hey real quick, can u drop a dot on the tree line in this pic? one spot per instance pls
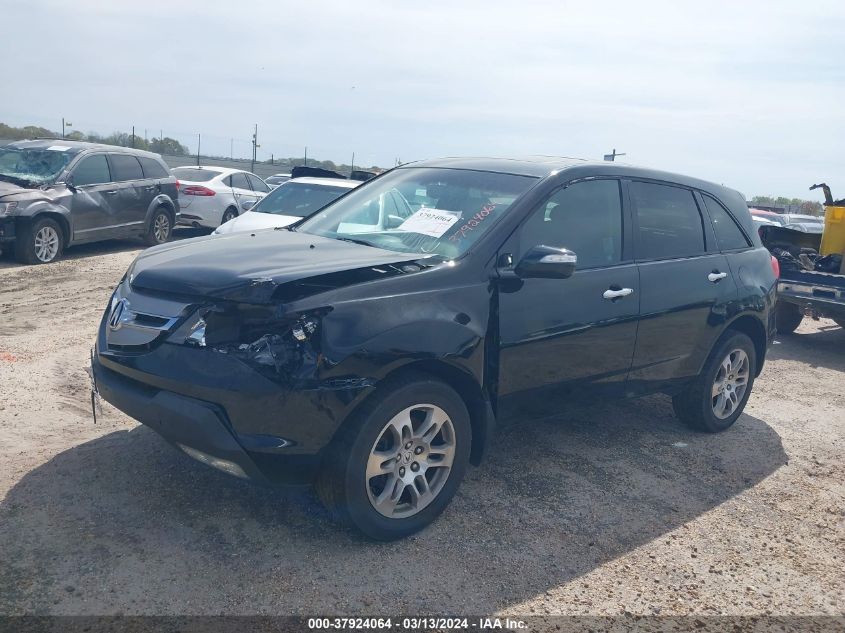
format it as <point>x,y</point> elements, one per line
<point>809,207</point>
<point>165,145</point>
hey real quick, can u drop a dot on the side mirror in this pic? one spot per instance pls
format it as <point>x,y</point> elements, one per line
<point>69,183</point>
<point>547,262</point>
<point>246,205</point>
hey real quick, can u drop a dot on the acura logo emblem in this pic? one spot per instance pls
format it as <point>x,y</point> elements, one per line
<point>117,313</point>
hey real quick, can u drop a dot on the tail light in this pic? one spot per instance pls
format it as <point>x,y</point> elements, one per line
<point>197,190</point>
<point>178,184</point>
<point>776,267</point>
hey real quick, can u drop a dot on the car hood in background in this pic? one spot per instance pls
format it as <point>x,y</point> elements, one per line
<point>265,266</point>
<point>253,221</point>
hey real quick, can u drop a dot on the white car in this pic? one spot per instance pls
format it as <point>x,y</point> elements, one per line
<point>289,202</point>
<point>276,179</point>
<point>211,196</point>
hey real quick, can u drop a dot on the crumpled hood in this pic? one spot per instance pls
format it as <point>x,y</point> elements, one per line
<point>7,188</point>
<point>255,267</point>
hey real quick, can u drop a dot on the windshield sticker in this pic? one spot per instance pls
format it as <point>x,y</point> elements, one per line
<point>58,148</point>
<point>431,222</point>
<point>471,224</point>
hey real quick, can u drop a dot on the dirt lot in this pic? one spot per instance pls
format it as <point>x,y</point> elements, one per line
<point>601,510</point>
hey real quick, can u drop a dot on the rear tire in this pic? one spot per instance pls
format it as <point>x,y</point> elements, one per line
<point>788,317</point>
<point>716,397</point>
<point>385,475</point>
<point>160,229</point>
<point>229,214</point>
<point>40,242</point>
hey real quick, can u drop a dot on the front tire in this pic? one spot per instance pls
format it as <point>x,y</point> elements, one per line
<point>717,396</point>
<point>788,317</point>
<point>400,460</point>
<point>41,242</point>
<point>160,229</point>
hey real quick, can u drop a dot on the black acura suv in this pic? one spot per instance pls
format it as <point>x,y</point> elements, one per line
<point>371,353</point>
<point>56,193</point>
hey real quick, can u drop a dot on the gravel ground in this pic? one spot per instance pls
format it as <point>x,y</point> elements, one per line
<point>601,510</point>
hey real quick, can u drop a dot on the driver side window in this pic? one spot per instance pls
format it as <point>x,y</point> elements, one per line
<point>585,217</point>
<point>93,170</point>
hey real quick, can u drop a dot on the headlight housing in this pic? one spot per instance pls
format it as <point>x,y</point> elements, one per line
<point>279,345</point>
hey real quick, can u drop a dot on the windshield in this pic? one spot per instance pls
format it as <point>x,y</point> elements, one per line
<point>194,174</point>
<point>36,166</point>
<point>421,210</point>
<point>298,199</point>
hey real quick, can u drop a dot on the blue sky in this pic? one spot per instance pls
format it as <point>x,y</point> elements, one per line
<point>750,94</point>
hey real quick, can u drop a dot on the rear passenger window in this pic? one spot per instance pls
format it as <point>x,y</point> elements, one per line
<point>125,167</point>
<point>669,221</point>
<point>239,181</point>
<point>585,217</point>
<point>93,170</point>
<point>728,234</point>
<point>258,184</point>
<point>152,168</point>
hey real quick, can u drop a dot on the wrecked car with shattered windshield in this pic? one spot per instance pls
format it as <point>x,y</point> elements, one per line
<point>370,349</point>
<point>56,193</point>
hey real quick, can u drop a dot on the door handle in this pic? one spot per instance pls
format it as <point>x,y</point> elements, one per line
<point>616,294</point>
<point>110,193</point>
<point>150,188</point>
<point>716,276</point>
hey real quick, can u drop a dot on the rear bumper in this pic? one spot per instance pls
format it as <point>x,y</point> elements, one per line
<point>203,211</point>
<point>814,299</point>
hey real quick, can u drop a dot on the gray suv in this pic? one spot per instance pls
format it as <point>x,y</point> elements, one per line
<point>56,193</point>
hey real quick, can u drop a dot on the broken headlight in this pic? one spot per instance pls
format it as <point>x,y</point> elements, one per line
<point>274,343</point>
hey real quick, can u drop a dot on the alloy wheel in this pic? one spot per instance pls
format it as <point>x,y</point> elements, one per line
<point>161,227</point>
<point>46,244</point>
<point>410,461</point>
<point>730,384</point>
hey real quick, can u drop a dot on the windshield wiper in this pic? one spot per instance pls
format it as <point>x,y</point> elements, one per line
<point>354,241</point>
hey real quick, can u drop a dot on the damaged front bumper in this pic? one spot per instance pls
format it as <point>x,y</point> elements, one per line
<point>263,411</point>
<point>197,428</point>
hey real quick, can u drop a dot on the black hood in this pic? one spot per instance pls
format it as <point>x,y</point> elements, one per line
<point>265,266</point>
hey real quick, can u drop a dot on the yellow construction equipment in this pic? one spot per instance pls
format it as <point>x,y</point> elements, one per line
<point>833,238</point>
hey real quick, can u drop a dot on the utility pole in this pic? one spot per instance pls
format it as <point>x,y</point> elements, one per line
<point>255,147</point>
<point>272,161</point>
<point>68,124</point>
<point>199,141</point>
<point>612,157</point>
<point>133,137</point>
<point>306,156</point>
<point>352,167</point>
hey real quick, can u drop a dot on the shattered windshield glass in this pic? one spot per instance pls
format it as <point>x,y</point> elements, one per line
<point>31,165</point>
<point>421,210</point>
